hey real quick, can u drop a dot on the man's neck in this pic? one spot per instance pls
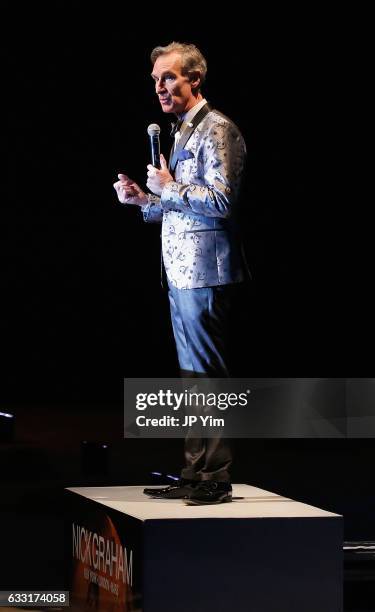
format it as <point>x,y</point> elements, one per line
<point>190,105</point>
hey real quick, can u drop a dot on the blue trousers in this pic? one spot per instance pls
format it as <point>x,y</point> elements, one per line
<point>200,320</point>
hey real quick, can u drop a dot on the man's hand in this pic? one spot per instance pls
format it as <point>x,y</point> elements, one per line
<point>129,192</point>
<point>157,179</point>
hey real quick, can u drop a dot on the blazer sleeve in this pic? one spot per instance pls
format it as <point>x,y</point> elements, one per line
<point>222,157</point>
<point>153,211</point>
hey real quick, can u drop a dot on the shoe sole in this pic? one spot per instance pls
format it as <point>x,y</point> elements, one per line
<point>153,496</point>
<point>192,502</point>
<point>168,498</point>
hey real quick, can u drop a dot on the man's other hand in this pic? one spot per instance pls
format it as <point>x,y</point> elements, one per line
<point>129,192</point>
<point>157,179</point>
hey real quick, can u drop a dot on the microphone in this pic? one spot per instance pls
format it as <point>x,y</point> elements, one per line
<point>153,131</point>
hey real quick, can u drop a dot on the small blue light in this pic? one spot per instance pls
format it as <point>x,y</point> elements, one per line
<point>8,416</point>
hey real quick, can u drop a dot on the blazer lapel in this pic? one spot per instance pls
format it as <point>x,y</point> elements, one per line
<point>186,135</point>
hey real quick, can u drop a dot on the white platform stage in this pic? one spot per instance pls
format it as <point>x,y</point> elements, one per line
<point>260,553</point>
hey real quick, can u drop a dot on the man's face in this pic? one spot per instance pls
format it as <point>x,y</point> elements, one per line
<point>172,87</point>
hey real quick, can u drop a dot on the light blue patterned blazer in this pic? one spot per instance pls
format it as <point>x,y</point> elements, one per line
<point>200,242</point>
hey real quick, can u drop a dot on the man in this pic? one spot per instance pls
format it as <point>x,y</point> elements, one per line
<point>195,199</point>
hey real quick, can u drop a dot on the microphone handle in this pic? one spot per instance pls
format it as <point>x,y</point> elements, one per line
<point>155,151</point>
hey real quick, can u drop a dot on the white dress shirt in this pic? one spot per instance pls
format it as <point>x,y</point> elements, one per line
<point>187,118</point>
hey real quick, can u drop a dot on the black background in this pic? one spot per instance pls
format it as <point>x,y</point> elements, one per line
<point>81,275</point>
<point>82,306</point>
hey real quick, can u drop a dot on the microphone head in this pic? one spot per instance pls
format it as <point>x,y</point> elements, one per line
<point>153,129</point>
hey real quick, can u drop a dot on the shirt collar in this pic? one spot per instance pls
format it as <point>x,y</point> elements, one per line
<point>187,117</point>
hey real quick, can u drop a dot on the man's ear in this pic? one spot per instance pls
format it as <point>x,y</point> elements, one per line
<point>195,79</point>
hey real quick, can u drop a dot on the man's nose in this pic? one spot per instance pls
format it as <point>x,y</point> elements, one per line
<point>159,86</point>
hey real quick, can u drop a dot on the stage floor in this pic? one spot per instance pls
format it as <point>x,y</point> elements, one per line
<point>248,502</point>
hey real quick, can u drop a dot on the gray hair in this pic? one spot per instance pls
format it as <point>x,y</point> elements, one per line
<point>191,58</point>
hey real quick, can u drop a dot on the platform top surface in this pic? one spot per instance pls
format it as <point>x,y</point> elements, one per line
<point>249,502</point>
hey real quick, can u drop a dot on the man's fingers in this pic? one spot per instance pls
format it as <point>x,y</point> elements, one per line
<point>126,190</point>
<point>126,185</point>
<point>120,185</point>
<point>163,162</point>
<point>124,179</point>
